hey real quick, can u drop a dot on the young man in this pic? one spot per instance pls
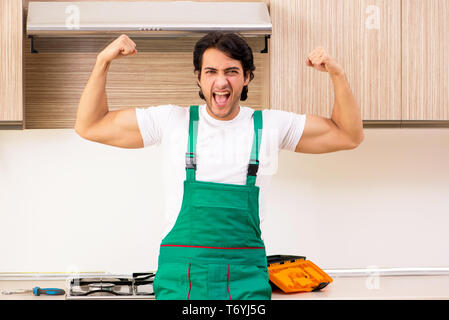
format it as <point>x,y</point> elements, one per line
<point>212,247</point>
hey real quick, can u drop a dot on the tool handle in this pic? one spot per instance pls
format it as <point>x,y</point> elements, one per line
<point>48,291</point>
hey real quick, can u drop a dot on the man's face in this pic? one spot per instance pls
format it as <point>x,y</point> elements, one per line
<point>222,82</point>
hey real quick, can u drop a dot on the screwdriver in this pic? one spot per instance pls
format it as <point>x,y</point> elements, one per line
<point>38,291</point>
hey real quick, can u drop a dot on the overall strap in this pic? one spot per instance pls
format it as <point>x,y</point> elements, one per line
<point>254,158</point>
<point>253,165</point>
<point>191,143</point>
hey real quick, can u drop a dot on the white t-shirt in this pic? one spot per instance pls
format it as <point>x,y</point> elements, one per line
<point>223,148</point>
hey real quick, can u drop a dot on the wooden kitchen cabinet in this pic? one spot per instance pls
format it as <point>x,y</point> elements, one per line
<point>11,84</point>
<point>363,35</point>
<point>425,60</point>
<point>395,54</point>
<point>54,81</point>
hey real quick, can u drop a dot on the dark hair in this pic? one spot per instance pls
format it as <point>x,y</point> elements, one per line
<point>233,45</point>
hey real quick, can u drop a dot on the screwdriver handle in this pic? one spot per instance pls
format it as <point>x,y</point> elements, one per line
<point>48,291</point>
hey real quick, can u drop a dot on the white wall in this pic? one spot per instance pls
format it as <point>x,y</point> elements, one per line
<point>70,205</point>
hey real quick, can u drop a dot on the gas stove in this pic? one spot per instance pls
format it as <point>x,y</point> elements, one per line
<point>137,286</point>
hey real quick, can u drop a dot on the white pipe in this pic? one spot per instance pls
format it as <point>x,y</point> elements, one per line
<point>387,272</point>
<point>362,272</point>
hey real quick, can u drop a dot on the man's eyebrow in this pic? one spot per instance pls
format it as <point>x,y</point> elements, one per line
<point>227,69</point>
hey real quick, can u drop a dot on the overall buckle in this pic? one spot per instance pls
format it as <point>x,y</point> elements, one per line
<point>190,160</point>
<point>253,167</point>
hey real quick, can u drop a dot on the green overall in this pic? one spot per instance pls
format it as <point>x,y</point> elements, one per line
<point>214,251</point>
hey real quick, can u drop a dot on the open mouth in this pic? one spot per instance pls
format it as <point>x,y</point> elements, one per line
<point>221,98</point>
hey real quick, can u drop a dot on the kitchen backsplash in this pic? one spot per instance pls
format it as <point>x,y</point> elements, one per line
<point>71,205</point>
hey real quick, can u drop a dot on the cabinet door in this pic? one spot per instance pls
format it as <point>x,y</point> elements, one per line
<point>363,35</point>
<point>11,93</point>
<point>425,58</point>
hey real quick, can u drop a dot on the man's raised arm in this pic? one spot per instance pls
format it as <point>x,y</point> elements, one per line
<point>344,130</point>
<point>94,121</point>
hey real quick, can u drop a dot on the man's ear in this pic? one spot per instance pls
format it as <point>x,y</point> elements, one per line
<point>247,78</point>
<point>197,74</point>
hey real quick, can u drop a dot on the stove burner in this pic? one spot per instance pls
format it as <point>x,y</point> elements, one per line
<point>104,286</point>
<point>112,286</point>
<point>101,287</point>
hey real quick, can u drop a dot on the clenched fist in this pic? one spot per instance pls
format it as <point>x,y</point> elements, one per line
<point>120,47</point>
<point>320,60</point>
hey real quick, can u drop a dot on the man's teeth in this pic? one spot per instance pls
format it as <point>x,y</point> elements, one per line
<point>221,93</point>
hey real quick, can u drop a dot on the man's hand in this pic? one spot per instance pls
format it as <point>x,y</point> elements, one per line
<point>120,47</point>
<point>320,60</point>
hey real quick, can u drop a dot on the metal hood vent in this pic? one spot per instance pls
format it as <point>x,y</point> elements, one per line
<point>146,19</point>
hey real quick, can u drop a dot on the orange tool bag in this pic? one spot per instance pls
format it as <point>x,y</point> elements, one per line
<point>296,274</point>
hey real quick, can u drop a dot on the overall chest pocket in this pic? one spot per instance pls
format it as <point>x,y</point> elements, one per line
<point>219,217</point>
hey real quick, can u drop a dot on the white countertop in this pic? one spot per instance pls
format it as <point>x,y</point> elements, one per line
<point>384,287</point>
<point>353,288</point>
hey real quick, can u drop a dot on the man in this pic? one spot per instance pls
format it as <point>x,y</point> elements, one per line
<point>213,247</point>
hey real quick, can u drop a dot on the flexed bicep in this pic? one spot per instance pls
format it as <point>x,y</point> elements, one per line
<point>117,128</point>
<point>322,135</point>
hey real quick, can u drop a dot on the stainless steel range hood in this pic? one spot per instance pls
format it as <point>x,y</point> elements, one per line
<point>146,19</point>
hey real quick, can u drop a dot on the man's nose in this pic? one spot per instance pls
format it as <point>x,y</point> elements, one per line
<point>221,81</point>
